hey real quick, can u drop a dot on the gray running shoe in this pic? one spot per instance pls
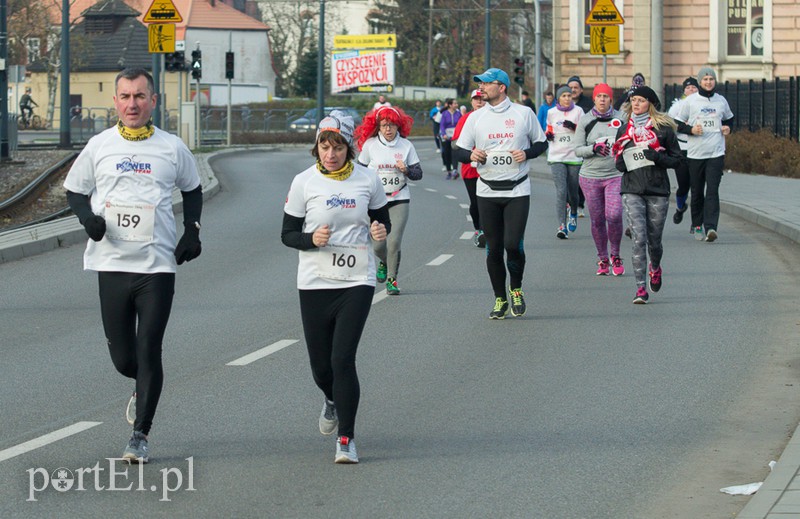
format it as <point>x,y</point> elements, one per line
<point>137,450</point>
<point>328,421</point>
<point>345,450</point>
<point>711,235</point>
<point>130,410</point>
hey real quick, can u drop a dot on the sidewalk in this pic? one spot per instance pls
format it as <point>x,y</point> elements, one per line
<point>771,202</point>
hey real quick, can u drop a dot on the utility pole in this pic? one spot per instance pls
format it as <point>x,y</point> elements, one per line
<point>64,134</point>
<point>488,51</point>
<point>321,64</point>
<point>430,40</point>
<point>230,49</point>
<point>4,147</point>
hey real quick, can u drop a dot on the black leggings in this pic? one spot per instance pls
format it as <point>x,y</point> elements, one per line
<point>504,221</point>
<point>682,176</point>
<point>706,175</point>
<point>333,320</point>
<point>448,160</point>
<point>471,185</point>
<point>135,310</point>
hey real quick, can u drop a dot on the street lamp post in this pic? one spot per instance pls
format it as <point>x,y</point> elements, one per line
<point>430,40</point>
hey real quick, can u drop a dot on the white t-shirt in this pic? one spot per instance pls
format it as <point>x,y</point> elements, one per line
<point>674,110</point>
<point>130,184</point>
<point>382,156</point>
<point>378,104</point>
<point>347,260</point>
<point>708,112</point>
<point>562,147</point>
<point>497,130</point>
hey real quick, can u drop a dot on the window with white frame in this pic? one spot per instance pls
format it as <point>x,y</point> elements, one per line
<point>745,36</point>
<point>34,49</point>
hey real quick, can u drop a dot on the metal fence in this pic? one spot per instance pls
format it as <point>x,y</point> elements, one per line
<point>756,104</point>
<point>86,122</point>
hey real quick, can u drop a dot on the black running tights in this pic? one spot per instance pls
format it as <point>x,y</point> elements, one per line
<point>504,221</point>
<point>471,185</point>
<point>135,310</point>
<point>333,320</point>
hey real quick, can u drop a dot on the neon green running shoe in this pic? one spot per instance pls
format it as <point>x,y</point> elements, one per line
<point>500,309</point>
<point>391,287</point>
<point>381,274</point>
<point>517,302</point>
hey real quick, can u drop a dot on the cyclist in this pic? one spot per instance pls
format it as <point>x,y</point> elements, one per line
<point>25,103</point>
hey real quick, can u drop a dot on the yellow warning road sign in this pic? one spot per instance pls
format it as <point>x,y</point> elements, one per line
<point>365,41</point>
<point>162,11</point>
<point>161,38</point>
<point>604,12</point>
<point>604,39</point>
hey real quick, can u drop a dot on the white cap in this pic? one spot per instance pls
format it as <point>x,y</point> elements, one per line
<point>340,123</point>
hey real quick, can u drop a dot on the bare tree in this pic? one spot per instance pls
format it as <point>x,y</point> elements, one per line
<point>40,19</point>
<point>294,25</point>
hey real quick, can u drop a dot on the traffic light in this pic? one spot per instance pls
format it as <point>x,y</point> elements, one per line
<point>197,64</point>
<point>519,71</point>
<point>174,62</point>
<point>229,65</point>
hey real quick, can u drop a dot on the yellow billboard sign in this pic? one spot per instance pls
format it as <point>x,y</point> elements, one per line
<point>365,41</point>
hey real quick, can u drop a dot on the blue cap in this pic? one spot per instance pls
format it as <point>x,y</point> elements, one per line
<point>493,74</point>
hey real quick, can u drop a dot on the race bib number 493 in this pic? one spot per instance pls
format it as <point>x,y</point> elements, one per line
<point>130,222</point>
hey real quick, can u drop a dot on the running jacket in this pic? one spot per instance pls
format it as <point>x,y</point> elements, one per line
<point>590,131</point>
<point>651,180</point>
<point>467,170</point>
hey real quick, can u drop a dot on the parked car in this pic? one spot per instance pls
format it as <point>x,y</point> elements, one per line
<point>308,121</point>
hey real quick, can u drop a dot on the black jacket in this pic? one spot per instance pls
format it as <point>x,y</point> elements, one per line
<point>651,180</point>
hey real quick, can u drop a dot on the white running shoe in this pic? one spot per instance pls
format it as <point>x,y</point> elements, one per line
<point>346,450</point>
<point>328,420</point>
<point>130,409</point>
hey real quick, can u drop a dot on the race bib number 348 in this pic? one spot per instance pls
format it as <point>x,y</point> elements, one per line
<point>130,222</point>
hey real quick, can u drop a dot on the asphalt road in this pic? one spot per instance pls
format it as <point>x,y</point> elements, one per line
<point>588,406</point>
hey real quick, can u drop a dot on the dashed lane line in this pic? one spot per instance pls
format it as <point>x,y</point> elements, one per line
<point>464,206</point>
<point>430,189</point>
<point>467,235</point>
<point>439,260</point>
<point>451,197</point>
<point>263,352</point>
<point>46,439</point>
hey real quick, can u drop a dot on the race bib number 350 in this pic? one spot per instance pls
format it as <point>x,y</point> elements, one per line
<point>343,262</point>
<point>130,222</point>
<point>499,163</point>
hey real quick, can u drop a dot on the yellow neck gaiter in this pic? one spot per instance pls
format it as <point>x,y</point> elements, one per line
<point>340,174</point>
<point>136,134</point>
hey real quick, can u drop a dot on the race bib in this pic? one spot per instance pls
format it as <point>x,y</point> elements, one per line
<point>130,222</point>
<point>710,124</point>
<point>635,159</point>
<point>563,141</point>
<point>499,163</point>
<point>450,132</point>
<point>392,180</point>
<point>343,262</point>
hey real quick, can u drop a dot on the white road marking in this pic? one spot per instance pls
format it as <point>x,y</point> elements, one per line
<point>41,441</point>
<point>263,352</point>
<point>469,218</point>
<point>464,206</point>
<point>431,190</point>
<point>451,197</point>
<point>467,235</point>
<point>380,296</point>
<point>439,260</point>
<point>411,184</point>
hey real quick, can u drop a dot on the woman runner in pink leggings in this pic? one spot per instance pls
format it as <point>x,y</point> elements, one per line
<point>599,178</point>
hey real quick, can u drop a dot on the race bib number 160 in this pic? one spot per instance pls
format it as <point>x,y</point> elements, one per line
<point>344,262</point>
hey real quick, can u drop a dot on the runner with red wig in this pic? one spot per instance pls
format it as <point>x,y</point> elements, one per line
<point>381,140</point>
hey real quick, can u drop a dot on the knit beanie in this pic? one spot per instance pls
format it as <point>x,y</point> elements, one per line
<point>706,71</point>
<point>690,81</point>
<point>638,79</point>
<point>562,90</point>
<point>575,78</point>
<point>340,123</point>
<point>648,93</point>
<point>602,88</point>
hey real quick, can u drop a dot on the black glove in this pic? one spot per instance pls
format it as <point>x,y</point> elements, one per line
<point>600,148</point>
<point>95,227</point>
<point>189,246</point>
<point>652,155</point>
<point>569,125</point>
<point>550,136</point>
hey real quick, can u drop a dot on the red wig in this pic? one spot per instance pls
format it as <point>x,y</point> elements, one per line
<point>371,123</point>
